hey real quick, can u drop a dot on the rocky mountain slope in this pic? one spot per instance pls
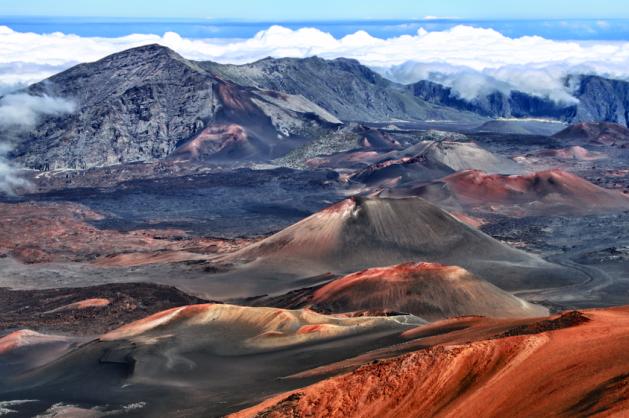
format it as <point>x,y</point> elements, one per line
<point>149,103</point>
<point>599,99</point>
<point>344,87</point>
<point>495,105</point>
<point>143,103</point>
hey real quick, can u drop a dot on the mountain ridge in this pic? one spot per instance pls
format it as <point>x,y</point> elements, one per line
<point>145,103</point>
<point>350,90</point>
<point>141,104</point>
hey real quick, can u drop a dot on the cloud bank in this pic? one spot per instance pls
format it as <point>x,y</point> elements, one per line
<point>20,113</point>
<point>471,60</point>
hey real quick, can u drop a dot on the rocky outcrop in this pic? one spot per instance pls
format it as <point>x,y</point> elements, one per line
<point>87,310</point>
<point>496,104</point>
<point>599,99</point>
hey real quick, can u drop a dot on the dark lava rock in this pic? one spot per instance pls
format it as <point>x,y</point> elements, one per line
<point>565,320</point>
<point>48,311</point>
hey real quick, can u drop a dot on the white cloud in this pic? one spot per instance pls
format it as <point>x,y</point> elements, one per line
<point>471,59</point>
<point>467,83</point>
<point>10,179</point>
<point>431,17</point>
<point>20,113</point>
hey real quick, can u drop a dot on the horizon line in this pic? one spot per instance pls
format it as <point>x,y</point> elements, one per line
<point>426,19</point>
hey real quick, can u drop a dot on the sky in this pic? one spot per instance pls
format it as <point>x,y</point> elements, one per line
<point>294,10</point>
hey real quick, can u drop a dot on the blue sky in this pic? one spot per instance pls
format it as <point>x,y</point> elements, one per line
<point>295,10</point>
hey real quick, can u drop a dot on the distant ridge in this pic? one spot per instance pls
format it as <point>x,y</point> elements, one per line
<point>344,87</point>
<point>149,103</point>
<point>587,90</point>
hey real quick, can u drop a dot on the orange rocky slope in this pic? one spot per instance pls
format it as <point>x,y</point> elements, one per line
<point>579,370</point>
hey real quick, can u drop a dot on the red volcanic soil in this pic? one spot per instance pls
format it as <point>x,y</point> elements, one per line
<point>428,290</point>
<point>603,133</point>
<point>537,191</point>
<point>577,368</point>
<point>235,99</point>
<point>23,338</point>
<point>472,221</point>
<point>213,140</point>
<point>575,152</point>
<point>86,310</point>
<point>375,138</point>
<point>83,304</point>
<point>452,331</point>
<point>352,159</point>
<point>44,232</point>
